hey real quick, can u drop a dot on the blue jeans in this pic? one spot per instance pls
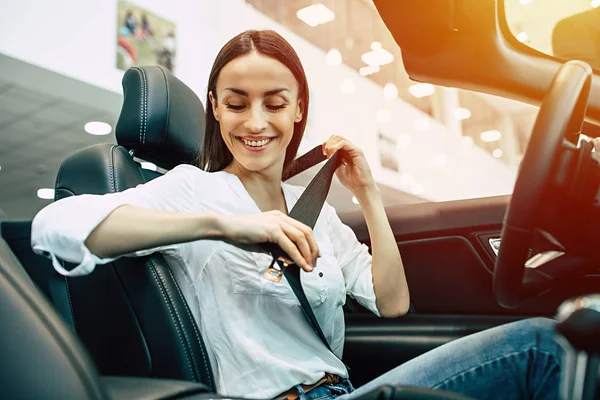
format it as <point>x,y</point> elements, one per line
<point>520,360</point>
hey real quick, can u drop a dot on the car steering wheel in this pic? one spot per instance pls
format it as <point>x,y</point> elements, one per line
<point>561,114</point>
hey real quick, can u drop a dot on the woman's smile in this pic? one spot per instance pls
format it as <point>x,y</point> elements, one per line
<point>256,144</point>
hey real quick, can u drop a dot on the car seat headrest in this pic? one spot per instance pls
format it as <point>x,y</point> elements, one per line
<point>162,119</point>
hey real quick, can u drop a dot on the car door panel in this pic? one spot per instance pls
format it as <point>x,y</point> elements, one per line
<point>449,266</point>
<point>374,346</point>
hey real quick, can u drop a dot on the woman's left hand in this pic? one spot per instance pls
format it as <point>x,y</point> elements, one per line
<point>354,171</point>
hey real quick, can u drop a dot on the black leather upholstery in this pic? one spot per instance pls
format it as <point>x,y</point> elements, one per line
<point>18,236</point>
<point>162,119</point>
<point>104,168</point>
<point>132,314</point>
<point>40,359</point>
<point>127,388</point>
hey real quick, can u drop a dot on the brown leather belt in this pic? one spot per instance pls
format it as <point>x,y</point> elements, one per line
<point>292,394</point>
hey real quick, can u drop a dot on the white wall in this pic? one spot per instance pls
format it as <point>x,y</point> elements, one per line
<point>77,38</point>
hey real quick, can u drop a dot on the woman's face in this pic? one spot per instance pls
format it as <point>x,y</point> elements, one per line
<point>256,104</point>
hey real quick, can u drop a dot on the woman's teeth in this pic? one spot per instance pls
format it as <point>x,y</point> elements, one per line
<point>255,143</point>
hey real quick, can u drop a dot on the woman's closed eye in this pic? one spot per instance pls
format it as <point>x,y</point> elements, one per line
<point>235,107</point>
<point>270,107</point>
<point>276,107</point>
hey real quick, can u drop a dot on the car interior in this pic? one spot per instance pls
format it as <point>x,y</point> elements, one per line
<point>129,329</point>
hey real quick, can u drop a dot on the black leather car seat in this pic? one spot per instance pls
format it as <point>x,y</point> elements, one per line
<point>53,357</point>
<point>43,359</point>
<point>132,314</point>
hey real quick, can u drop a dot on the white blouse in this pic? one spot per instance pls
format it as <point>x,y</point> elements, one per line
<point>259,341</point>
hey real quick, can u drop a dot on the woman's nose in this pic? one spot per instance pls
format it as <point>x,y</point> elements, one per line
<point>256,121</point>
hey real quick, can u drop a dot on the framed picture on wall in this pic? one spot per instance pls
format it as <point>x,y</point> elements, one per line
<point>387,152</point>
<point>144,38</point>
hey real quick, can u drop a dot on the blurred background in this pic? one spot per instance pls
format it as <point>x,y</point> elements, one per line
<point>61,64</point>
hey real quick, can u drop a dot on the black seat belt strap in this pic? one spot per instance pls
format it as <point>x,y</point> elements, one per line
<point>307,210</point>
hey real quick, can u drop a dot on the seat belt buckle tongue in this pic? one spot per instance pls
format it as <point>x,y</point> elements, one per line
<point>274,274</point>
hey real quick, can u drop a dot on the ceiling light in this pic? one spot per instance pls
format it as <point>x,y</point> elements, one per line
<point>420,90</point>
<point>377,57</point>
<point>348,86</point>
<point>376,46</point>
<point>595,3</point>
<point>368,70</point>
<point>525,1</point>
<point>439,160</point>
<point>417,188</point>
<point>422,124</point>
<point>462,113</point>
<point>468,140</point>
<point>497,153</point>
<point>354,200</point>
<point>315,15</point>
<point>390,91</point>
<point>148,165</point>
<point>334,57</point>
<point>45,193</point>
<point>97,128</point>
<point>522,37</point>
<point>491,136</point>
<point>406,179</point>
<point>383,116</point>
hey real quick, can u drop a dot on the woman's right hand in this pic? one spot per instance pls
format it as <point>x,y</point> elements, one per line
<point>294,237</point>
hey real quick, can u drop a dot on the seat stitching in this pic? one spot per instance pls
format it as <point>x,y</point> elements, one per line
<point>198,336</point>
<point>171,309</point>
<point>136,69</point>
<point>69,296</point>
<point>187,340</point>
<point>168,109</point>
<point>114,170</point>
<point>145,104</point>
<point>110,170</point>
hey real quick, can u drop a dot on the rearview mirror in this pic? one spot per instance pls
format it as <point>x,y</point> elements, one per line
<point>563,29</point>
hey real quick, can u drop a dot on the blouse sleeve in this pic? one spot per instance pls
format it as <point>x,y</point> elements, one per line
<point>354,259</point>
<point>60,229</point>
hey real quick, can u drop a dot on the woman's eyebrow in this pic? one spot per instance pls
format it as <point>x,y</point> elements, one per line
<point>267,93</point>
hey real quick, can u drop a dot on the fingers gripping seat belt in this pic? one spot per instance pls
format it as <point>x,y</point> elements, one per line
<point>306,210</point>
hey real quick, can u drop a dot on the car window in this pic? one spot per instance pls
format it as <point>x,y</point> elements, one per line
<point>424,143</point>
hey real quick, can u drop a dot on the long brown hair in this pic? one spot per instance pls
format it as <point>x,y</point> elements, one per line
<point>214,154</point>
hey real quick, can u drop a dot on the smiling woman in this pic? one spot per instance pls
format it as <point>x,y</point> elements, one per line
<point>255,116</point>
<point>237,84</point>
